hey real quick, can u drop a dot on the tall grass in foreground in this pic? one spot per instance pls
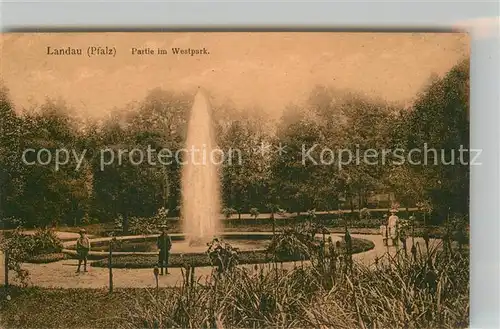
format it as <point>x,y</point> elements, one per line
<point>426,289</point>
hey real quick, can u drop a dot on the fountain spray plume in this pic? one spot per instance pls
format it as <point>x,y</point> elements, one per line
<point>200,179</point>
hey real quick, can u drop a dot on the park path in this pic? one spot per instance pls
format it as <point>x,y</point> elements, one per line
<point>62,274</point>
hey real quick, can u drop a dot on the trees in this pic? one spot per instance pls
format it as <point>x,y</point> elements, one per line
<point>439,118</point>
<point>131,186</point>
<point>366,128</point>
<point>236,168</point>
<point>260,174</point>
<point>9,165</point>
<point>38,193</point>
<point>162,122</point>
<point>126,187</point>
<point>298,182</point>
<point>245,170</point>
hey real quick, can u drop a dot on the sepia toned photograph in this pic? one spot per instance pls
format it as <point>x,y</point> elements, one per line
<point>235,180</point>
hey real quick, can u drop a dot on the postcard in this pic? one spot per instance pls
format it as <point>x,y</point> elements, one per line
<point>235,180</point>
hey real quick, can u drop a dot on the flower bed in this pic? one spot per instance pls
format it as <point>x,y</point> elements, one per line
<point>201,259</point>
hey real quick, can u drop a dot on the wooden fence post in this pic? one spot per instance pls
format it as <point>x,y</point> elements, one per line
<point>274,223</point>
<point>6,254</point>
<point>110,266</point>
<point>156,272</point>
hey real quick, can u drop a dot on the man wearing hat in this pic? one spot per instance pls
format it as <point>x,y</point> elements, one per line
<point>82,249</point>
<point>164,244</point>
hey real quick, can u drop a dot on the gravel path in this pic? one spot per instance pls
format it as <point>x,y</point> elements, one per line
<point>62,274</point>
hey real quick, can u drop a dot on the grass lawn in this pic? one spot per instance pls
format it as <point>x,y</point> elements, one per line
<point>201,259</point>
<point>66,308</point>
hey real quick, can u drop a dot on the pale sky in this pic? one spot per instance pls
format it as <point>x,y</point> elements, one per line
<point>269,70</point>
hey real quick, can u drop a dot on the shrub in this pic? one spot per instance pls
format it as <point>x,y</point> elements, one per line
<point>311,214</point>
<point>45,241</point>
<point>162,215</point>
<point>143,225</point>
<point>149,225</point>
<point>291,244</point>
<point>11,222</point>
<point>118,225</point>
<point>228,212</point>
<point>23,248</point>
<point>364,214</point>
<point>47,258</point>
<point>254,212</point>
<point>88,220</point>
<point>222,255</point>
<point>17,245</point>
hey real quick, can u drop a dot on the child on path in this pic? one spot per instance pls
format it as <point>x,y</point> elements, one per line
<point>82,249</point>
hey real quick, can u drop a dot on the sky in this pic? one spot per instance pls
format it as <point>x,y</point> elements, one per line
<point>267,70</point>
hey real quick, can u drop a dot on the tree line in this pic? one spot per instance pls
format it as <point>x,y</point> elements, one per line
<point>39,195</point>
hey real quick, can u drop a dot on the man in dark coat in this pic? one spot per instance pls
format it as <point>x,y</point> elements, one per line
<point>164,245</point>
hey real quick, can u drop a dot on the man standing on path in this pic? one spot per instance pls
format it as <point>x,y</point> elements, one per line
<point>164,244</point>
<point>82,249</point>
<point>392,225</point>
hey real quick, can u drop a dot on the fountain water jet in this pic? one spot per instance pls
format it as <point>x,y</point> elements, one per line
<point>200,180</point>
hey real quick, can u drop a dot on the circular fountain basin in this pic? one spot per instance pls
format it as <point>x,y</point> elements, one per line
<point>146,244</point>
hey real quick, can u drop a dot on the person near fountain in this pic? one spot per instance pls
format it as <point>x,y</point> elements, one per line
<point>392,225</point>
<point>164,245</point>
<point>82,249</point>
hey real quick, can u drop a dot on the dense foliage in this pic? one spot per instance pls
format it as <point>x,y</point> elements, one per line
<point>42,195</point>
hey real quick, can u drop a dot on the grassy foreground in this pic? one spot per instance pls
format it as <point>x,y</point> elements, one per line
<point>427,290</point>
<point>67,308</point>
